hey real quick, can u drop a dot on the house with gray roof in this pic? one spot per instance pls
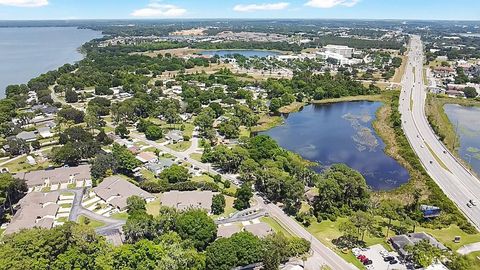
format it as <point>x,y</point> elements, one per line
<point>399,242</point>
<point>37,209</point>
<point>115,191</point>
<point>174,136</point>
<point>182,200</point>
<point>28,136</point>
<point>161,164</point>
<point>62,175</point>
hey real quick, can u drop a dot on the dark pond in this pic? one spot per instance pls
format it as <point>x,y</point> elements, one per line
<point>467,123</point>
<point>341,133</point>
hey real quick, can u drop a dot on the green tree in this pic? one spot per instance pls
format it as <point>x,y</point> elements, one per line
<point>125,159</point>
<point>243,196</point>
<point>136,203</point>
<point>218,204</point>
<point>122,131</point>
<point>423,253</point>
<point>102,164</point>
<point>153,132</point>
<point>196,226</point>
<point>175,174</point>
<point>71,96</point>
<point>470,92</point>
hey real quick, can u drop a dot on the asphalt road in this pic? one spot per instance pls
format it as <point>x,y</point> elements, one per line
<point>321,256</point>
<point>456,181</point>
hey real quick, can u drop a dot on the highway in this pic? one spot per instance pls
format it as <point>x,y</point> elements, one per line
<point>454,179</point>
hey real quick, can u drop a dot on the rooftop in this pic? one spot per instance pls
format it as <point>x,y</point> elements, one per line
<point>182,200</point>
<point>55,176</point>
<point>115,190</point>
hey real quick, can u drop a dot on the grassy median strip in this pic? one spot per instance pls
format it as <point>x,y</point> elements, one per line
<point>437,158</point>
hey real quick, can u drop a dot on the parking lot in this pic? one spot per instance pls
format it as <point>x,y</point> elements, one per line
<point>376,253</point>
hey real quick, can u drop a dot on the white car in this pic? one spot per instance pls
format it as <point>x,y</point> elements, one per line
<point>473,202</point>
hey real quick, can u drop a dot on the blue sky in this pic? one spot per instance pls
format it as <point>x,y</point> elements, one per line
<point>345,9</point>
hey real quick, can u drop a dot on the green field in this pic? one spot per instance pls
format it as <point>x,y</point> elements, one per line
<point>93,223</point>
<point>180,146</point>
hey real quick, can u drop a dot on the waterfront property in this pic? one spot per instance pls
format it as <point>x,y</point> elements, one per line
<point>341,133</point>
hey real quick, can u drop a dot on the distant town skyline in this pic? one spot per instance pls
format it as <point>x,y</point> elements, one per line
<point>195,9</point>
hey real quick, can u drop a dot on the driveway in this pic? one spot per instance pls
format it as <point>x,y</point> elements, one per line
<point>466,249</point>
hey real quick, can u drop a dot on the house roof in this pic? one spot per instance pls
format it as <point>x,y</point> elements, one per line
<point>399,242</point>
<point>56,176</point>
<point>146,157</point>
<point>27,135</point>
<point>182,200</point>
<point>116,190</point>
<point>37,209</point>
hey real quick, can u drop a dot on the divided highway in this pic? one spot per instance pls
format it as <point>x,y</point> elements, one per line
<point>454,179</point>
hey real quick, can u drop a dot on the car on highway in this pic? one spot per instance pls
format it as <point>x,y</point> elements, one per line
<point>473,202</point>
<point>469,205</point>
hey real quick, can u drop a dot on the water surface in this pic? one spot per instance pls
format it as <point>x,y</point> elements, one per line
<point>246,53</point>
<point>466,120</point>
<point>28,52</point>
<point>341,133</point>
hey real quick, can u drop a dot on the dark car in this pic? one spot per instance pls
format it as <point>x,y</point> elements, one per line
<point>388,258</point>
<point>367,262</point>
<point>393,261</point>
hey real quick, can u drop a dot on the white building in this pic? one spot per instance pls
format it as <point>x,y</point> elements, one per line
<point>344,51</point>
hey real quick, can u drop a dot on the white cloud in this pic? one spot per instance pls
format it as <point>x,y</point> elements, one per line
<point>157,9</point>
<point>257,7</point>
<point>331,3</point>
<point>24,3</point>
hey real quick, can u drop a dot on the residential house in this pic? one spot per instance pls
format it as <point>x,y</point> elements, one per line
<point>115,191</point>
<point>37,209</point>
<point>161,164</point>
<point>182,200</point>
<point>147,157</point>
<point>174,136</point>
<point>49,177</point>
<point>28,136</point>
<point>399,242</point>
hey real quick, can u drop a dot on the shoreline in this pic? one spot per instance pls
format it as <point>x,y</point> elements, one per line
<point>443,127</point>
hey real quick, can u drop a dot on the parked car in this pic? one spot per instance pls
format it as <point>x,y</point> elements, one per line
<point>393,261</point>
<point>367,262</point>
<point>473,202</point>
<point>388,258</point>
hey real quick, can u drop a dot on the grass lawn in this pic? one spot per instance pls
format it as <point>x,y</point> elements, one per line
<point>154,207</point>
<point>294,107</point>
<point>244,132</point>
<point>400,71</point>
<point>188,131</point>
<point>180,147</point>
<point>228,206</point>
<point>196,156</point>
<point>62,219</point>
<point>67,193</point>
<point>203,178</point>
<point>120,215</point>
<point>21,165</point>
<point>275,226</point>
<point>475,256</point>
<point>148,175</point>
<point>327,230</point>
<point>93,223</point>
<point>267,122</point>
<point>447,235</point>
<point>66,205</point>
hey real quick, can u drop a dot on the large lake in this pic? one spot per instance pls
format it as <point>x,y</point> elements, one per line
<point>468,121</point>
<point>341,133</point>
<point>246,53</point>
<point>28,52</point>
